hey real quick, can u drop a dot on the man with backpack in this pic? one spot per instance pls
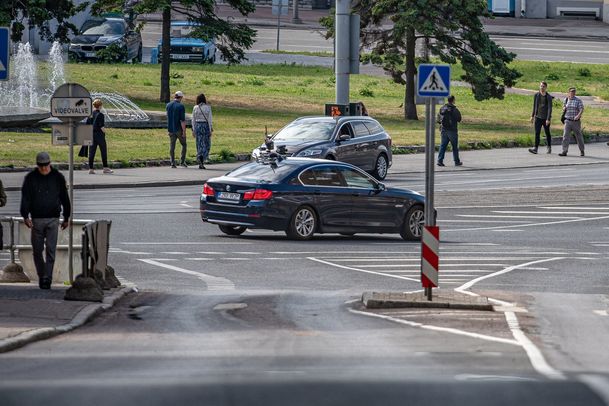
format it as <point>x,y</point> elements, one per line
<point>449,118</point>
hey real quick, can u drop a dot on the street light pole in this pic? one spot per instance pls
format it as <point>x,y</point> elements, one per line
<point>342,52</point>
<point>295,19</point>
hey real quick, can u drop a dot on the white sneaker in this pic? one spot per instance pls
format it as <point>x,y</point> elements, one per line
<point>91,172</point>
<point>108,170</point>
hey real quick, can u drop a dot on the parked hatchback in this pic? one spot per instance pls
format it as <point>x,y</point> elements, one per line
<point>98,33</point>
<point>358,140</point>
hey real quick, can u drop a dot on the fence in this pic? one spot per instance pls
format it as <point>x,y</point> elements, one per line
<point>89,250</point>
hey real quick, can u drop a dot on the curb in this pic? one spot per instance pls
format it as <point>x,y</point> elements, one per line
<point>83,316</point>
<point>443,300</point>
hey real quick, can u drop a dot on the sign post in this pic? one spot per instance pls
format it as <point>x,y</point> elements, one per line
<point>279,8</point>
<point>433,81</point>
<point>71,103</point>
<point>4,53</point>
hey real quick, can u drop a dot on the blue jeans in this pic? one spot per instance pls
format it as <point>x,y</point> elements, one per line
<point>453,138</point>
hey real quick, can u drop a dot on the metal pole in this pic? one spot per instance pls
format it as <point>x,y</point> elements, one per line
<point>430,109</point>
<point>12,227</point>
<point>295,19</point>
<point>342,36</point>
<point>70,231</point>
<point>279,22</point>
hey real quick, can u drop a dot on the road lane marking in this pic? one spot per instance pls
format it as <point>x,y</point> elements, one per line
<point>601,312</point>
<point>186,243</point>
<point>212,282</point>
<point>515,217</point>
<point>549,223</point>
<point>572,208</point>
<point>580,213</point>
<point>507,231</point>
<point>362,270</point>
<point>437,328</point>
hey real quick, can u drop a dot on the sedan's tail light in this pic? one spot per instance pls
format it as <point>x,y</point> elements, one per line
<point>208,190</point>
<point>258,194</point>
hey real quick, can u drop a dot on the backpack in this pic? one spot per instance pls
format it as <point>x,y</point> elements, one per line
<point>446,118</point>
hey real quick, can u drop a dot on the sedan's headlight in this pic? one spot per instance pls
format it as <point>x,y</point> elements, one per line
<point>310,152</point>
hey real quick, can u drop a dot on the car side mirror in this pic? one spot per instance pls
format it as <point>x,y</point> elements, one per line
<point>381,187</point>
<point>344,137</point>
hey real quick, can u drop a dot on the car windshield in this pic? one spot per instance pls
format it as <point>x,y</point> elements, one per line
<point>261,173</point>
<point>181,31</point>
<point>306,130</point>
<point>104,27</point>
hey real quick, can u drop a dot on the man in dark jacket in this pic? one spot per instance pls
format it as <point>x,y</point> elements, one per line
<point>43,196</point>
<point>449,119</point>
<point>541,116</point>
<point>2,203</point>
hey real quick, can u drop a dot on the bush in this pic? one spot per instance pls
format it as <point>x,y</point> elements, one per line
<point>113,53</point>
<point>366,92</point>
<point>552,76</point>
<point>226,155</point>
<point>254,81</point>
<point>585,72</point>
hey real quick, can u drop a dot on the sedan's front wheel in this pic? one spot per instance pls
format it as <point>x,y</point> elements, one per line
<point>233,230</point>
<point>412,229</point>
<point>302,224</point>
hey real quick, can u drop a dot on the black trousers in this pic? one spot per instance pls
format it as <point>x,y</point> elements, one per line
<point>98,140</point>
<point>541,122</point>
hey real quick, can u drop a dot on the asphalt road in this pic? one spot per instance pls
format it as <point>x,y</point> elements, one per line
<point>533,49</point>
<point>261,319</point>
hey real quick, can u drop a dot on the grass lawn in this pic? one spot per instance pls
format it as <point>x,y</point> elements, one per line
<point>246,99</point>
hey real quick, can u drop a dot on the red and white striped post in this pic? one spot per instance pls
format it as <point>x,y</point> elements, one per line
<point>430,258</point>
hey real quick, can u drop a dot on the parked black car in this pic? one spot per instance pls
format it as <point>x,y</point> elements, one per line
<point>98,33</point>
<point>306,196</point>
<point>358,140</point>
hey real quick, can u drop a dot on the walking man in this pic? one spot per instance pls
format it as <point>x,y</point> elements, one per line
<point>449,118</point>
<point>573,108</point>
<point>176,128</point>
<point>541,116</point>
<point>43,196</point>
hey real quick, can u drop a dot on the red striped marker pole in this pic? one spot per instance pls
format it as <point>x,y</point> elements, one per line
<point>430,258</point>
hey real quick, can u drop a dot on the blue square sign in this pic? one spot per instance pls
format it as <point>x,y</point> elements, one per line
<point>433,80</point>
<point>4,47</point>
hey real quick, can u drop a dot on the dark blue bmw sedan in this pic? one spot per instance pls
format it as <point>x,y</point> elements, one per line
<point>304,196</point>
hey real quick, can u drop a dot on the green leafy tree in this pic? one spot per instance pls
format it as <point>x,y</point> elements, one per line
<point>453,33</point>
<point>38,13</point>
<point>231,37</point>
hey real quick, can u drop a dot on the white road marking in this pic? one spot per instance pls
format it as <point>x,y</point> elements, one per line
<point>572,208</point>
<point>416,265</point>
<point>436,328</point>
<point>531,224</point>
<point>335,259</point>
<point>175,253</point>
<point>200,259</point>
<point>212,282</point>
<point>482,221</point>
<point>186,243</point>
<point>361,270</point>
<point>186,205</point>
<point>596,51</point>
<point>548,212</point>
<point>601,312</point>
<point>515,217</point>
<point>507,231</point>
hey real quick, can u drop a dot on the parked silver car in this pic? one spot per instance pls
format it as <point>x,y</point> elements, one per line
<point>358,140</point>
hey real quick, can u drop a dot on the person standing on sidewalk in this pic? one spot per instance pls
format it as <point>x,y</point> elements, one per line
<point>541,116</point>
<point>99,137</point>
<point>573,108</point>
<point>202,129</point>
<point>43,196</point>
<point>449,119</point>
<point>176,128</point>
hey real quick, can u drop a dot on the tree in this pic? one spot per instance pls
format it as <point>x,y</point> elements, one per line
<point>35,13</point>
<point>391,29</point>
<point>231,38</point>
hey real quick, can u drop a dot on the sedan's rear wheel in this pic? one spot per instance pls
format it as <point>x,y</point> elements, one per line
<point>232,230</point>
<point>380,167</point>
<point>302,224</point>
<point>412,229</point>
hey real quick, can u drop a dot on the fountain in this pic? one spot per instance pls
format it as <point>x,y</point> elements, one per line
<point>25,102</point>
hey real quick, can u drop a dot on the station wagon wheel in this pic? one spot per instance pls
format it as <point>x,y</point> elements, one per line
<point>232,230</point>
<point>412,229</point>
<point>302,224</point>
<point>380,167</point>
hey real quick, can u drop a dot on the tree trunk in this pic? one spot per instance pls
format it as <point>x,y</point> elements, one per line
<point>165,55</point>
<point>410,108</point>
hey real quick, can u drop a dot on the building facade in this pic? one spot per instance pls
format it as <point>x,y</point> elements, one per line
<point>598,9</point>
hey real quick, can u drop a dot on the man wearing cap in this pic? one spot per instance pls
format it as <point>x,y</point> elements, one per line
<point>176,127</point>
<point>43,196</point>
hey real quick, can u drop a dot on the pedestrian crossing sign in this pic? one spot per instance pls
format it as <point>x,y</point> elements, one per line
<point>433,80</point>
<point>4,48</point>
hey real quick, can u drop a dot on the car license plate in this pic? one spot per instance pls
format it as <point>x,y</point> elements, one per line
<point>179,56</point>
<point>90,54</point>
<point>233,197</point>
